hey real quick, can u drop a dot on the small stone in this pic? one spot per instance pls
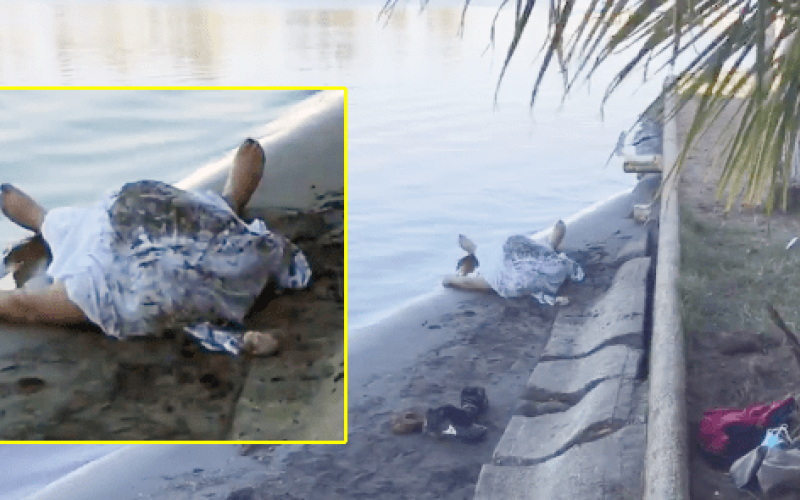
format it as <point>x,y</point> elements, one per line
<point>260,343</point>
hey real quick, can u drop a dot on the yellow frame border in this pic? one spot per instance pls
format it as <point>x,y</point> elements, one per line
<point>346,355</point>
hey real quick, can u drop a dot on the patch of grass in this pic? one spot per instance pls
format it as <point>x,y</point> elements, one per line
<point>729,274</point>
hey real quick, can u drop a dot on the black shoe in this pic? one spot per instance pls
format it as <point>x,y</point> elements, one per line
<point>474,401</point>
<point>449,422</point>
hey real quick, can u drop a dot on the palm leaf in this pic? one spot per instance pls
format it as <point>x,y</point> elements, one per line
<point>727,52</point>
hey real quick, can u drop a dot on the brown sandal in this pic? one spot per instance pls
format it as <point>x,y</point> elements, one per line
<point>408,422</point>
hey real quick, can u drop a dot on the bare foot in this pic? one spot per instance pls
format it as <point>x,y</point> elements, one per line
<point>263,343</point>
<point>248,167</point>
<point>557,236</point>
<point>21,208</point>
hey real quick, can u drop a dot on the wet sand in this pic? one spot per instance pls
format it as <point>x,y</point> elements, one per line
<point>156,471</point>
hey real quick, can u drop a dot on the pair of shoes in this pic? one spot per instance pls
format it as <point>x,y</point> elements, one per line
<point>474,401</point>
<point>449,422</point>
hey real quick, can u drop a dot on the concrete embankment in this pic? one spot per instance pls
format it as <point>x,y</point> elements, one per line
<point>580,426</point>
<point>76,384</point>
<point>611,433</point>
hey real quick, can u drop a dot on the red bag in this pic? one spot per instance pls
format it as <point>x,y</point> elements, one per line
<point>732,432</point>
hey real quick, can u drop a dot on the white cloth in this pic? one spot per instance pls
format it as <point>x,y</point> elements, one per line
<point>80,240</point>
<point>528,267</point>
<point>80,243</point>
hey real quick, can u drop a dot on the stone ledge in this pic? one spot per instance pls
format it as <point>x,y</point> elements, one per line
<point>531,440</point>
<point>609,468</point>
<point>570,379</point>
<point>636,248</point>
<point>617,318</point>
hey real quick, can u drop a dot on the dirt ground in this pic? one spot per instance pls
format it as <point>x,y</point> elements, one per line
<point>737,357</point>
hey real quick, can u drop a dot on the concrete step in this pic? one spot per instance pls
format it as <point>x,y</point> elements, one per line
<point>606,469</point>
<point>569,380</point>
<point>589,442</point>
<point>618,318</point>
<point>531,440</point>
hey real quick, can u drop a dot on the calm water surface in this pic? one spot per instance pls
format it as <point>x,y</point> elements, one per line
<point>431,153</point>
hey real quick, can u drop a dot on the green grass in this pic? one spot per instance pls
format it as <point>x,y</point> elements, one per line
<point>729,274</point>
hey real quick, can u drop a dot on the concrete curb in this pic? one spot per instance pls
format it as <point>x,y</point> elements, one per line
<point>582,412</point>
<point>666,457</point>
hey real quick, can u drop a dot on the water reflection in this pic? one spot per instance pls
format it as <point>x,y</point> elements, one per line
<point>70,43</point>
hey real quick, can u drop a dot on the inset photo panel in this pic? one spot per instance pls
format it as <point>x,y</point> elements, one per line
<point>174,268</point>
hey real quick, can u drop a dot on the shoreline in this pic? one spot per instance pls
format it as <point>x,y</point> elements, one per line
<point>419,357</point>
<point>589,231</point>
<point>389,352</point>
<point>144,471</point>
<point>423,355</point>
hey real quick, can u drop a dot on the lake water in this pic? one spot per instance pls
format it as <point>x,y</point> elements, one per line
<point>431,153</point>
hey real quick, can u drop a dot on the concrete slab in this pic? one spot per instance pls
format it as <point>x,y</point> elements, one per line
<point>617,318</point>
<point>609,468</point>
<point>76,384</point>
<point>528,441</point>
<point>635,248</point>
<point>570,379</point>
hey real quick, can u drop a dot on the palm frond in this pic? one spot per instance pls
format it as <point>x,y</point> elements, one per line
<point>725,48</point>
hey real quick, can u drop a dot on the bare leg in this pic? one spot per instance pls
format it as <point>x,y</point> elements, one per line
<point>248,167</point>
<point>471,283</point>
<point>22,209</point>
<point>46,306</point>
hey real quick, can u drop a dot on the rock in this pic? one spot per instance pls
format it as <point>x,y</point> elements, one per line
<point>30,385</point>
<point>611,467</point>
<point>263,343</point>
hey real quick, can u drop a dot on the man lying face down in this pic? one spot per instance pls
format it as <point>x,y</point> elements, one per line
<point>150,258</point>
